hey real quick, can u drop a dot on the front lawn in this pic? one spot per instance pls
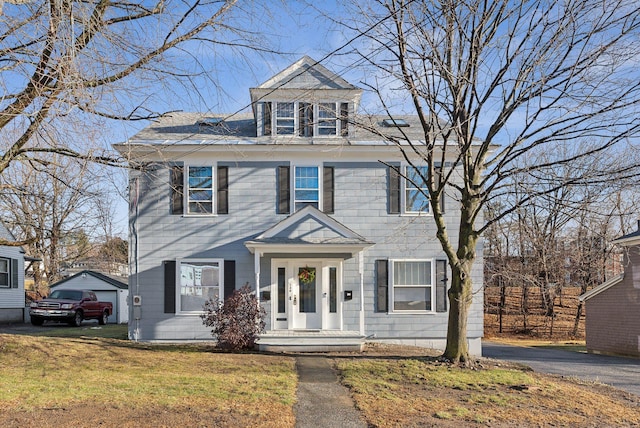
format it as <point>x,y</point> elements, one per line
<point>90,381</point>
<point>394,391</point>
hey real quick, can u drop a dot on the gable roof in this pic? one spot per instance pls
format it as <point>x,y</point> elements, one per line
<point>98,275</point>
<point>311,230</point>
<point>306,73</point>
<point>600,288</point>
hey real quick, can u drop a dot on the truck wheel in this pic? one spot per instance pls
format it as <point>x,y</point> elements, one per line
<point>37,321</point>
<point>77,319</point>
<point>104,318</point>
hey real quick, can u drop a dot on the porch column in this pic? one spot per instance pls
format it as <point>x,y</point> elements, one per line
<point>361,272</point>
<point>256,263</point>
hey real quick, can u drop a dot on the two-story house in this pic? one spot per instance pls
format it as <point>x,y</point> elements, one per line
<point>303,200</point>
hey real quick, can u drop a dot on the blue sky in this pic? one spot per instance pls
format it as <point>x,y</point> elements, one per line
<point>292,30</point>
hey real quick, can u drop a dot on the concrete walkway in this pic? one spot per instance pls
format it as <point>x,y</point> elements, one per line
<point>322,401</point>
<point>622,373</point>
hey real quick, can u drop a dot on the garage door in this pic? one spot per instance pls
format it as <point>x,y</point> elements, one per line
<point>109,296</point>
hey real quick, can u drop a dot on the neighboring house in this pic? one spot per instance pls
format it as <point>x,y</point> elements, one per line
<point>298,200</point>
<point>107,289</point>
<point>12,303</point>
<point>612,322</point>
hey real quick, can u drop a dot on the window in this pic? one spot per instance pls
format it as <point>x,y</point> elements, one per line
<point>285,118</point>
<point>4,273</point>
<point>303,119</point>
<point>411,288</point>
<point>327,119</point>
<point>200,186</point>
<point>200,190</point>
<point>306,187</point>
<point>415,190</point>
<point>198,281</point>
<point>395,123</point>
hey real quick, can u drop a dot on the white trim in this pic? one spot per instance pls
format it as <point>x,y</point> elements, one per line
<point>292,178</point>
<point>392,285</point>
<point>322,304</point>
<point>403,192</point>
<point>178,283</point>
<point>186,187</point>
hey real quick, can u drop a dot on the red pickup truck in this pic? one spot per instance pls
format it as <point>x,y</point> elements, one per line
<point>71,306</point>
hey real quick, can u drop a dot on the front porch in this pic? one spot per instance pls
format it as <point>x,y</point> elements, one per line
<point>310,341</point>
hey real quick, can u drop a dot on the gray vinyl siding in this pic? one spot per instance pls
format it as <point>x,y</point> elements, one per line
<point>360,204</point>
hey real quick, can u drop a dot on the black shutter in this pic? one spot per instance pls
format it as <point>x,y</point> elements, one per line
<point>394,190</point>
<point>284,193</point>
<point>441,286</point>
<point>229,278</point>
<point>170,287</point>
<point>328,190</point>
<point>223,190</point>
<point>177,190</point>
<point>344,119</point>
<point>266,118</point>
<point>382,285</point>
<point>14,273</point>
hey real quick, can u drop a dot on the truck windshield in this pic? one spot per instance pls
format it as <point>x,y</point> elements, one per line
<point>66,294</point>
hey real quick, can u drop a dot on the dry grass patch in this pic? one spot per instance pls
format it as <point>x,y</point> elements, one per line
<point>420,391</point>
<point>89,381</point>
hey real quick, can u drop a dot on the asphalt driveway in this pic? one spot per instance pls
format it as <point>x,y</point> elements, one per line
<point>622,373</point>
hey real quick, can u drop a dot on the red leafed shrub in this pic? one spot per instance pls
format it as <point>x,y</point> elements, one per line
<point>236,323</point>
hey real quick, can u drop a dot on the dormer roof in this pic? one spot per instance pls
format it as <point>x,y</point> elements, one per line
<point>306,80</point>
<point>306,73</point>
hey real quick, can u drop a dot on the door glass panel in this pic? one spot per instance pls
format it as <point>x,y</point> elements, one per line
<point>307,279</point>
<point>282,291</point>
<point>333,290</point>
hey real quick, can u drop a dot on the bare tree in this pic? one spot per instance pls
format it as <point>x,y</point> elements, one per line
<point>54,209</point>
<point>85,62</point>
<point>492,83</point>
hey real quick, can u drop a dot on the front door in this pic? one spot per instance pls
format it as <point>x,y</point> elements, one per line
<point>305,294</point>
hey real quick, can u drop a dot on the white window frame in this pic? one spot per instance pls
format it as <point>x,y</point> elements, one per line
<point>336,125</point>
<point>187,189</point>
<point>431,286</point>
<point>403,192</point>
<point>7,272</point>
<point>275,119</point>
<point>197,289</point>
<point>293,184</point>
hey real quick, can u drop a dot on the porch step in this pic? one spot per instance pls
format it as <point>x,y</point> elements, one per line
<point>310,341</point>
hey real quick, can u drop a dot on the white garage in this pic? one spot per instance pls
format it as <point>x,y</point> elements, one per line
<point>107,289</point>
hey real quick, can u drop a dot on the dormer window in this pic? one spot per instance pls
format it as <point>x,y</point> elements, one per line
<point>285,118</point>
<point>327,119</point>
<point>302,119</point>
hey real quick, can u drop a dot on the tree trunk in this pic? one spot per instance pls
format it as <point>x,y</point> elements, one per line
<point>460,294</point>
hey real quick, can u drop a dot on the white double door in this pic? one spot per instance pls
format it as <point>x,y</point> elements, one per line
<point>306,294</point>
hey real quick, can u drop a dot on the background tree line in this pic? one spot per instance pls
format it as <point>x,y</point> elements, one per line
<point>556,243</point>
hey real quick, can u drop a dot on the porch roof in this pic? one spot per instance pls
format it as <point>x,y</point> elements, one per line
<point>308,231</point>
